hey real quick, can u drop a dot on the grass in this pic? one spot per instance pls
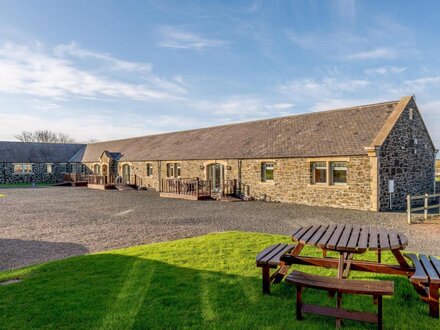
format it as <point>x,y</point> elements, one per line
<point>204,282</point>
<point>23,185</point>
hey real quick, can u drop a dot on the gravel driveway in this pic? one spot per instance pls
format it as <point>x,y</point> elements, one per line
<point>40,224</point>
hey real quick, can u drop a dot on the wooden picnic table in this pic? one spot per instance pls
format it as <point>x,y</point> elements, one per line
<point>349,240</point>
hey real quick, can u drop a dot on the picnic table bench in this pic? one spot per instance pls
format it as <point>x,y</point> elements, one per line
<point>426,280</point>
<point>377,289</point>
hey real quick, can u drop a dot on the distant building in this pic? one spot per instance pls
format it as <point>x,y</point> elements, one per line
<point>366,157</point>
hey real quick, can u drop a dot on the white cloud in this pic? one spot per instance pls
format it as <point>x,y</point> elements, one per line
<point>386,70</point>
<point>322,88</point>
<point>31,70</point>
<point>73,49</point>
<point>378,53</point>
<point>243,107</point>
<point>179,39</point>
<point>329,104</point>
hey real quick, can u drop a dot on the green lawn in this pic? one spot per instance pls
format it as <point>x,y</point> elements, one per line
<point>203,282</point>
<point>23,185</point>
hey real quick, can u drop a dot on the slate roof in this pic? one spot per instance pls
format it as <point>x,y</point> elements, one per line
<point>30,152</point>
<point>342,132</point>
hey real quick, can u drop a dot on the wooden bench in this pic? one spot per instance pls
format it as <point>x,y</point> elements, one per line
<point>426,280</point>
<point>271,258</point>
<point>377,289</point>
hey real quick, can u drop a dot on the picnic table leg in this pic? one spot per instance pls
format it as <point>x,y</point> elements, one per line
<point>433,300</point>
<point>266,279</point>
<point>282,271</point>
<point>379,257</point>
<point>299,291</point>
<point>379,312</point>
<point>341,265</point>
<point>324,253</point>
<point>338,305</point>
<point>400,258</point>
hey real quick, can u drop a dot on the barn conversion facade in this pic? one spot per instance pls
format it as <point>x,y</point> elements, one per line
<point>366,157</point>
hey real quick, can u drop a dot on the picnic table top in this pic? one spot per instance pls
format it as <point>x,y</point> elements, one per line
<point>350,238</point>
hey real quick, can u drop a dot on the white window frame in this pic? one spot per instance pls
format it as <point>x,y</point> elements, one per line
<point>313,167</point>
<point>170,170</point>
<point>177,170</point>
<point>49,166</point>
<point>264,167</point>
<point>149,170</point>
<point>23,166</point>
<point>340,168</point>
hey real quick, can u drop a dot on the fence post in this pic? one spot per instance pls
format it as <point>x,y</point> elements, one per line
<point>426,207</point>
<point>408,202</point>
<point>197,189</point>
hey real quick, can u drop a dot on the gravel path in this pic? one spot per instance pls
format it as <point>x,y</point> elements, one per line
<point>41,224</point>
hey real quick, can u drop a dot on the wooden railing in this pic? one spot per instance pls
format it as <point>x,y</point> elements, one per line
<point>426,205</point>
<point>229,187</point>
<point>195,188</point>
<point>74,177</point>
<point>100,179</point>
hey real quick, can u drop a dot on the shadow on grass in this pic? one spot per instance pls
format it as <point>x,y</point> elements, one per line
<point>112,291</point>
<point>18,253</point>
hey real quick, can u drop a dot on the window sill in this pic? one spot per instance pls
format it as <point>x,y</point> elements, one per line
<point>23,173</point>
<point>269,183</point>
<point>326,186</point>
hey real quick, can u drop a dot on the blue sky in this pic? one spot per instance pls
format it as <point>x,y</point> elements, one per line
<point>115,69</point>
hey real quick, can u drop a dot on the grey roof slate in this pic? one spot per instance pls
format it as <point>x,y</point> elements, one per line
<point>340,132</point>
<point>30,152</point>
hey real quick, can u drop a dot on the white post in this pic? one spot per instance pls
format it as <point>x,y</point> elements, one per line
<point>408,202</point>
<point>426,207</point>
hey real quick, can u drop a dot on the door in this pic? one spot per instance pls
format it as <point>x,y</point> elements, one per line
<point>126,174</point>
<point>215,175</point>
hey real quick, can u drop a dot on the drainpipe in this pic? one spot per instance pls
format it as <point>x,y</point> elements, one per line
<point>159,173</point>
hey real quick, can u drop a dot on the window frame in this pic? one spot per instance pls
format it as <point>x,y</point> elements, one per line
<point>63,168</point>
<point>265,166</point>
<point>23,168</point>
<point>49,165</point>
<point>314,167</point>
<point>332,168</point>
<point>149,170</point>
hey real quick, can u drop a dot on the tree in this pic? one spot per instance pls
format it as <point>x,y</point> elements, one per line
<point>44,136</point>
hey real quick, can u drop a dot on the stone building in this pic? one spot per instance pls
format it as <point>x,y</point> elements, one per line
<point>366,157</point>
<point>27,162</point>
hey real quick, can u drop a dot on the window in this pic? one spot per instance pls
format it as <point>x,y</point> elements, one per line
<point>96,169</point>
<point>72,168</point>
<point>63,167</point>
<point>173,170</point>
<point>149,169</point>
<point>267,172</point>
<point>22,168</point>
<point>18,168</point>
<point>170,170</point>
<point>49,168</point>
<point>339,172</point>
<point>83,168</point>
<point>319,172</point>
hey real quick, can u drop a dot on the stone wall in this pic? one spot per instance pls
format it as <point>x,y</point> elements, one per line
<point>292,183</point>
<point>407,157</point>
<point>38,175</point>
